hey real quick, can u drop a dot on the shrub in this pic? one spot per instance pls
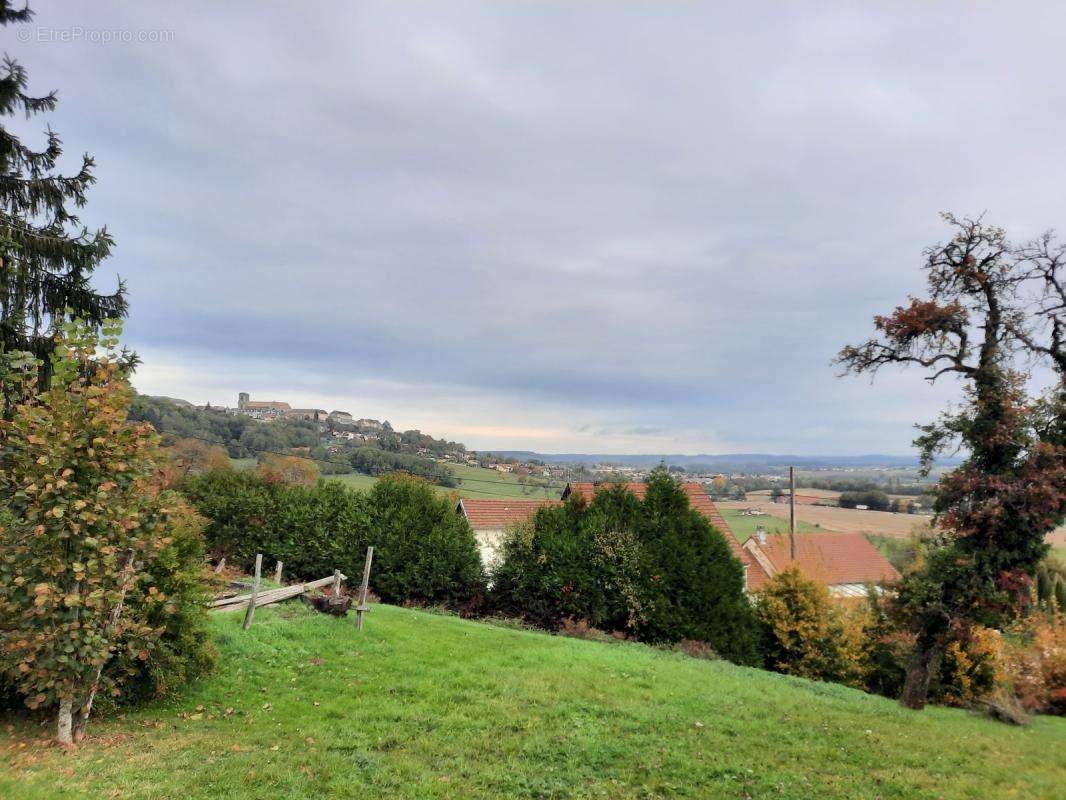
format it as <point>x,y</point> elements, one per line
<point>288,469</point>
<point>424,551</point>
<point>86,534</point>
<point>1034,662</point>
<point>806,634</point>
<point>971,669</point>
<point>654,569</point>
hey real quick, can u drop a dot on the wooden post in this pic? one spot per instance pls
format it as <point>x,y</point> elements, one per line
<point>221,566</point>
<point>792,511</point>
<point>255,590</point>
<point>277,572</point>
<point>363,589</point>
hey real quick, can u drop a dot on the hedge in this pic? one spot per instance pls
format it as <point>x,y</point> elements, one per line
<point>654,569</point>
<point>423,551</point>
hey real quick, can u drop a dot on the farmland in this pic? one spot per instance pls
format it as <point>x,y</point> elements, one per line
<point>744,525</point>
<point>427,706</point>
<point>877,523</point>
<point>830,518</point>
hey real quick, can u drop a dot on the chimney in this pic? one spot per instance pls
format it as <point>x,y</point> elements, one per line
<point>760,534</point>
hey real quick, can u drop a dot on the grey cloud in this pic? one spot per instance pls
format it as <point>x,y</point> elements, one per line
<point>653,221</point>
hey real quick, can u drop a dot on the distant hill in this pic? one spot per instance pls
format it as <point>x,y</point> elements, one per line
<point>175,400</point>
<point>741,462</point>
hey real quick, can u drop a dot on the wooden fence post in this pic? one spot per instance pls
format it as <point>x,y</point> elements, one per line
<point>255,591</point>
<point>359,609</point>
<point>277,572</point>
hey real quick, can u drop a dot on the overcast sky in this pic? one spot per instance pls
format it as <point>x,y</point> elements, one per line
<point>597,227</point>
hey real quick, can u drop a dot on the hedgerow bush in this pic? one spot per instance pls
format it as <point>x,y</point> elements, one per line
<point>424,551</point>
<point>654,569</point>
<point>807,634</point>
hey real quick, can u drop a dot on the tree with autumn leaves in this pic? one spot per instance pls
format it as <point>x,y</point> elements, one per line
<point>995,319</point>
<point>88,534</point>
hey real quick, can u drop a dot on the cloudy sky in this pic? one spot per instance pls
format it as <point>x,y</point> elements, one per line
<point>598,227</point>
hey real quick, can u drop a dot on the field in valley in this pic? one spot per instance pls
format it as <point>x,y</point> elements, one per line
<point>426,706</point>
<point>878,523</point>
<point>830,518</point>
<point>744,525</point>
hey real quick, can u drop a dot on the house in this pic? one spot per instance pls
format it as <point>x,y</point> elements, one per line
<point>844,562</point>
<point>370,424</point>
<point>306,414</point>
<point>340,416</point>
<point>491,518</point>
<point>755,577</point>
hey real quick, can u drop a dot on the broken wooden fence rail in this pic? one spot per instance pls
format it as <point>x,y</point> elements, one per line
<point>363,607</point>
<point>270,596</point>
<point>255,591</point>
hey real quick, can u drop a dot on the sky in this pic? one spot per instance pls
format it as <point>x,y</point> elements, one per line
<point>565,227</point>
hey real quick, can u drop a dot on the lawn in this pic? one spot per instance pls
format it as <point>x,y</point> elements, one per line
<point>426,706</point>
<point>744,526</point>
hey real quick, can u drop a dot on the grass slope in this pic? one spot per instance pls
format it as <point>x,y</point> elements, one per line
<point>425,706</point>
<point>475,482</point>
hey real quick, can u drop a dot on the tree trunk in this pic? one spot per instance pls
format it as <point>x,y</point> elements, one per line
<point>63,728</point>
<point>923,666</point>
<point>81,720</point>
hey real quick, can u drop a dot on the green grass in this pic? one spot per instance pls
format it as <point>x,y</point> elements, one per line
<point>488,483</point>
<point>426,706</point>
<point>744,526</point>
<point>355,480</point>
<point>474,482</point>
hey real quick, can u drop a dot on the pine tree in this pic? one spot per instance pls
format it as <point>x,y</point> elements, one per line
<point>46,255</point>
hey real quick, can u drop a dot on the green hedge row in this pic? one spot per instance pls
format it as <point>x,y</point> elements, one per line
<point>423,551</point>
<point>653,568</point>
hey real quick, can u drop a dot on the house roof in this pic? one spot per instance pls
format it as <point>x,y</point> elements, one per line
<point>500,513</point>
<point>700,501</point>
<point>265,404</point>
<point>829,558</point>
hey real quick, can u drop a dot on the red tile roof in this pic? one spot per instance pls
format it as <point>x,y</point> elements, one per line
<point>700,501</point>
<point>829,558</point>
<point>500,513</point>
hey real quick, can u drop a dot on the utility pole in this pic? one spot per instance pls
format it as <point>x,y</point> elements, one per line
<point>792,511</point>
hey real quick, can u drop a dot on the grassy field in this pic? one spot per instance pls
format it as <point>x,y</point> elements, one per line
<point>488,483</point>
<point>744,526</point>
<point>881,523</point>
<point>428,706</point>
<point>474,482</point>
